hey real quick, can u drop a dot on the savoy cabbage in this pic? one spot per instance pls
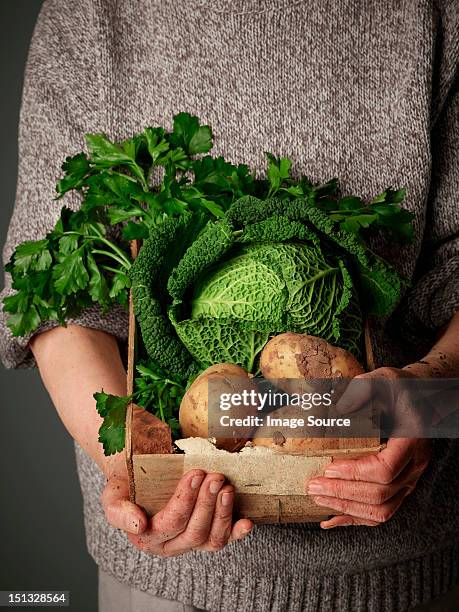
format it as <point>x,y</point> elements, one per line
<point>266,267</point>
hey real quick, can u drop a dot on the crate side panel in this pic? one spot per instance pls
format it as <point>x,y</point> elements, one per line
<point>270,474</point>
<point>156,477</point>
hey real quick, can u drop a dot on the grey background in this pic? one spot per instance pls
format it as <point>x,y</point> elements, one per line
<point>42,543</point>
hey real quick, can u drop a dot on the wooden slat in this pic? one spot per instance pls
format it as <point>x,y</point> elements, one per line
<point>166,470</point>
<point>272,509</point>
<point>156,477</point>
<point>353,443</point>
<point>270,474</point>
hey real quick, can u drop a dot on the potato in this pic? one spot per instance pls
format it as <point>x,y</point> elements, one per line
<point>289,361</point>
<point>299,356</point>
<point>227,369</point>
<point>193,415</point>
<point>280,440</point>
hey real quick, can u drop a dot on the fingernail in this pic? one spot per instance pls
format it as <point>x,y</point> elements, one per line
<point>332,473</point>
<point>315,487</point>
<point>321,501</point>
<point>227,498</point>
<point>215,486</point>
<point>196,481</point>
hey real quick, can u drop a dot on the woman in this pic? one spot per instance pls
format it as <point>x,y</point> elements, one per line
<point>362,91</point>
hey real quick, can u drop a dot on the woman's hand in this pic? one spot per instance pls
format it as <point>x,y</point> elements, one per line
<point>369,490</point>
<point>76,361</point>
<point>197,517</point>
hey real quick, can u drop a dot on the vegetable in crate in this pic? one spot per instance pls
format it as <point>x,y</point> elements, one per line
<point>80,262</point>
<point>289,445</point>
<point>194,411</point>
<point>290,357</point>
<point>290,362</point>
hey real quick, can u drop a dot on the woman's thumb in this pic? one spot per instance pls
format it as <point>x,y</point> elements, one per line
<point>119,510</point>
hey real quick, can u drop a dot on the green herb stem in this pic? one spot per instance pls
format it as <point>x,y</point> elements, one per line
<point>125,263</point>
<point>118,251</point>
<point>121,256</point>
<point>109,269</point>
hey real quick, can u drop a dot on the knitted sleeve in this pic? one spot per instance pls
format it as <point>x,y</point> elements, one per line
<point>60,103</point>
<point>434,296</point>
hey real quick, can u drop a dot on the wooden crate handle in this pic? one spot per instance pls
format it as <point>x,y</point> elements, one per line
<point>369,355</point>
<point>135,245</point>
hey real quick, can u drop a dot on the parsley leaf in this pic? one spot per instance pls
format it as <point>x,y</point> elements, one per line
<point>32,255</point>
<point>105,154</point>
<point>70,273</point>
<point>278,172</point>
<point>76,168</point>
<point>112,432</point>
<point>188,134</point>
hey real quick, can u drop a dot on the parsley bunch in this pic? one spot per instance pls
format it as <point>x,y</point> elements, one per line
<point>83,261</point>
<point>351,213</point>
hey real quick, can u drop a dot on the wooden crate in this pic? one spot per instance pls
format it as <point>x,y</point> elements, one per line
<point>270,489</point>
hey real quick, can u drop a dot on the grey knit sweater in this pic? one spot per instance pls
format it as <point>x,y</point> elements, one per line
<point>366,91</point>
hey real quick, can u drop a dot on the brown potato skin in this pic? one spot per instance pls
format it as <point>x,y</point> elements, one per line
<point>193,415</point>
<point>299,356</point>
<point>289,360</point>
<point>226,369</point>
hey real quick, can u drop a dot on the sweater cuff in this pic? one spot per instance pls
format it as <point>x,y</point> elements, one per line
<point>15,351</point>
